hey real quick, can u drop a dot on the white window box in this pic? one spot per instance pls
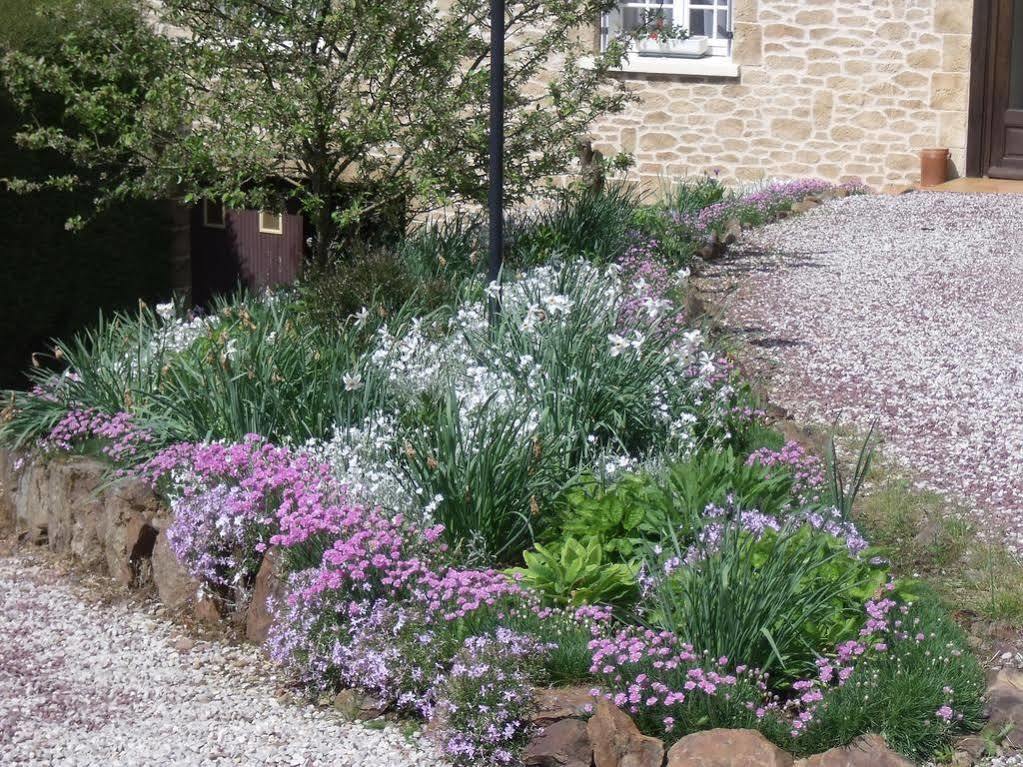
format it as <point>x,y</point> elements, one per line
<point>708,66</point>
<point>690,48</point>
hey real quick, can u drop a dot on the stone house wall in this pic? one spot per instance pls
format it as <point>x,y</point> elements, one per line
<point>837,89</point>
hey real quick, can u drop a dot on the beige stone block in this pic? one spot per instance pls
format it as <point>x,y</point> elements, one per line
<point>856,67</point>
<point>815,18</point>
<point>845,134</point>
<point>823,109</point>
<point>652,140</point>
<point>924,59</point>
<point>745,10</point>
<point>954,16</point>
<point>628,140</point>
<point>796,169</point>
<point>910,79</point>
<point>658,118</point>
<point>841,41</point>
<point>747,46</point>
<point>842,84</point>
<point>821,54</point>
<point>950,90</point>
<point>894,31</point>
<point>786,32</point>
<point>791,128</point>
<point>730,128</point>
<point>904,162</point>
<point>952,130</point>
<point>785,63</point>
<point>823,68</point>
<point>955,53</point>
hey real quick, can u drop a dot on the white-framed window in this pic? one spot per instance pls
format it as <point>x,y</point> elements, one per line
<point>705,18</point>
<point>270,222</point>
<point>213,214</point>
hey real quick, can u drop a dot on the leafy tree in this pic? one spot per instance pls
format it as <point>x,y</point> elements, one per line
<point>347,108</point>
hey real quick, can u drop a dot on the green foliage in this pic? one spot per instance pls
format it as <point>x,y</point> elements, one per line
<point>714,476</point>
<point>576,574</point>
<point>569,658</point>
<point>691,195</point>
<point>591,223</point>
<point>55,280</point>
<point>260,372</point>
<point>898,692</point>
<point>622,518</point>
<point>495,486</point>
<point>845,489</point>
<point>776,602</point>
<point>178,112</point>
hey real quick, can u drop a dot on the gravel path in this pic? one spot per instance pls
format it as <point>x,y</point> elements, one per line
<point>906,309</point>
<point>99,684</point>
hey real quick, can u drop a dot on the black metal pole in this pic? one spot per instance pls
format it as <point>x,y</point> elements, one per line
<point>496,192</point>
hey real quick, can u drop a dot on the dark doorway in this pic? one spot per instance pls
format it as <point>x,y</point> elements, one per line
<point>996,90</point>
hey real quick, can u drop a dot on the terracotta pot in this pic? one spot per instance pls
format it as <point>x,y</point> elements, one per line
<point>933,166</point>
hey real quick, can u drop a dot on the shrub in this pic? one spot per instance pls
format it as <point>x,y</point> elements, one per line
<point>917,683</point>
<point>774,599</point>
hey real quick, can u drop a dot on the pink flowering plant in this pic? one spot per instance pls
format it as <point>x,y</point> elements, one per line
<point>118,437</point>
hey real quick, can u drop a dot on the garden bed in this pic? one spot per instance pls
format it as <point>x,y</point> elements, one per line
<point>449,515</point>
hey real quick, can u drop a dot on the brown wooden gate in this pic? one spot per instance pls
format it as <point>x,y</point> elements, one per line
<point>996,90</point>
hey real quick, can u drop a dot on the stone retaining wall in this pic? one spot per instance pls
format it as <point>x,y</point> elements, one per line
<point>116,527</point>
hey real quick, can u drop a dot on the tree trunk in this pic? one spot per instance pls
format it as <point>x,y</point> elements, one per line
<point>324,224</point>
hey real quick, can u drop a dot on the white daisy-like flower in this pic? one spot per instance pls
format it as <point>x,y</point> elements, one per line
<point>619,344</point>
<point>534,315</point>
<point>558,304</point>
<point>361,316</point>
<point>352,381</point>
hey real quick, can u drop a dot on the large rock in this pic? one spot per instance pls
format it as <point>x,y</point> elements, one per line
<point>565,743</point>
<point>725,748</point>
<point>269,589</point>
<point>30,501</point>
<point>865,751</point>
<point>617,742</point>
<point>9,463</point>
<point>75,509</point>
<point>552,704</point>
<point>133,516</point>
<point>1005,704</point>
<point>175,587</point>
<point>359,706</point>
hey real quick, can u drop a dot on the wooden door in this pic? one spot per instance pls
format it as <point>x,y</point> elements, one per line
<point>996,102</point>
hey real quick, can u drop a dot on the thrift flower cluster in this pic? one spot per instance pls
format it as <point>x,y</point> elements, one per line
<point>757,206</point>
<point>805,470</point>
<point>121,436</point>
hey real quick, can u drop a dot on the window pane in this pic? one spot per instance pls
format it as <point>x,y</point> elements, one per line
<point>634,15</point>
<point>712,23</point>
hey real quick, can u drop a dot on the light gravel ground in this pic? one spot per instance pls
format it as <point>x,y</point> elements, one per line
<point>905,309</point>
<point>87,684</point>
